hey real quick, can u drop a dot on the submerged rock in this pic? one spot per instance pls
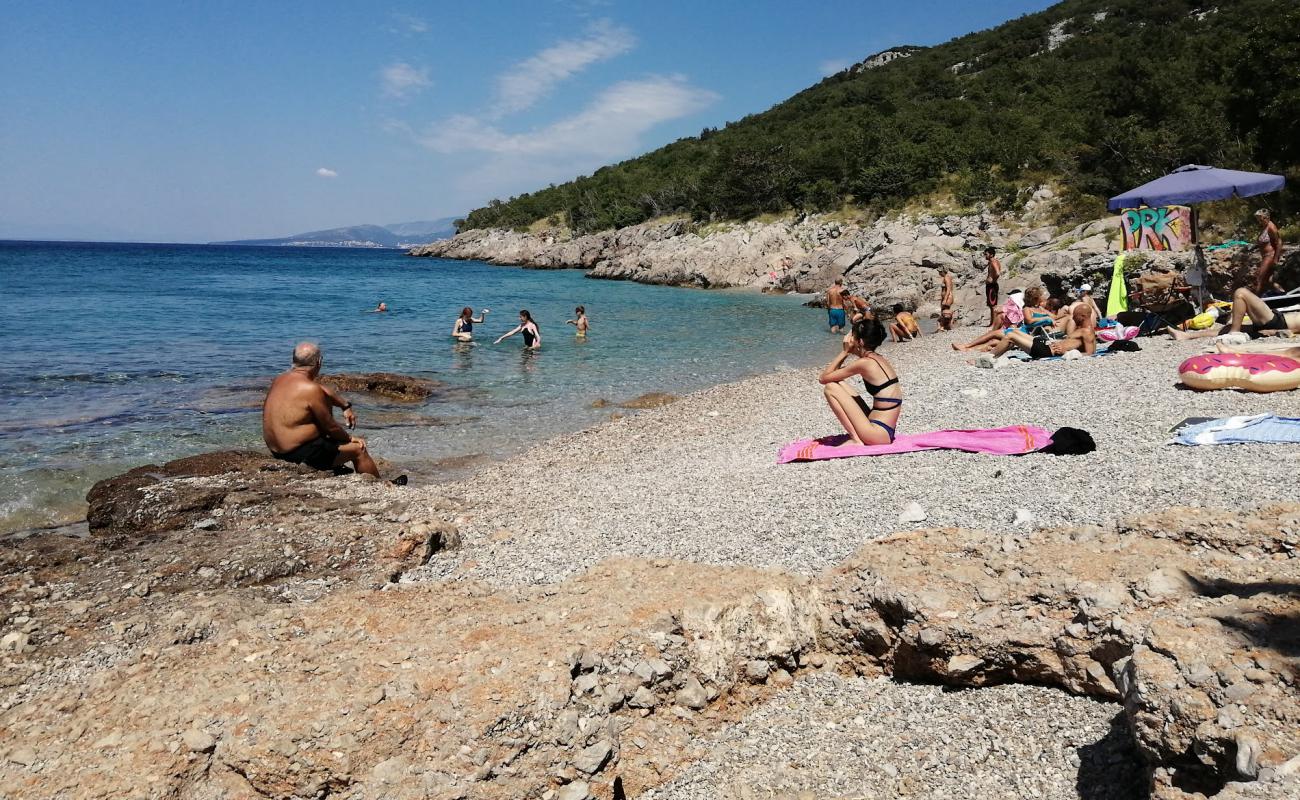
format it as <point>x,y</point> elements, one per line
<point>388,385</point>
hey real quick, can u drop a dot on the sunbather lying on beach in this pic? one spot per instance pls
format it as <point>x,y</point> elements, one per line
<point>866,424</point>
<point>1285,352</point>
<point>298,422</point>
<point>1035,318</point>
<point>1264,320</point>
<point>1081,335</point>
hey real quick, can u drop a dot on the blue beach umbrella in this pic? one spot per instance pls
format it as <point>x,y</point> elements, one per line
<point>1197,184</point>
<point>1191,184</point>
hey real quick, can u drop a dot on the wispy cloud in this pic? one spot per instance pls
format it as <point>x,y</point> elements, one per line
<point>326,172</point>
<point>833,65</point>
<point>610,126</point>
<point>401,79</point>
<point>532,79</point>
<point>406,24</point>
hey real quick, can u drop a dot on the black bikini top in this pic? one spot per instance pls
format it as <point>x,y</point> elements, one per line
<point>875,389</point>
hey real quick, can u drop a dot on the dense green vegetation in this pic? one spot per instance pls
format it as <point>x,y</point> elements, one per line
<point>1140,87</point>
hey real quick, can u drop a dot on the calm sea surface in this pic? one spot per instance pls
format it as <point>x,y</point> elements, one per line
<point>115,355</point>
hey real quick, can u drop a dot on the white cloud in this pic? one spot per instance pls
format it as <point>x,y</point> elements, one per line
<point>402,79</point>
<point>530,80</point>
<point>833,65</point>
<point>326,172</point>
<point>610,126</point>
<point>407,24</point>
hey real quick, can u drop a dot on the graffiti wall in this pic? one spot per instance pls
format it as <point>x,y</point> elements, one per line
<point>1163,228</point>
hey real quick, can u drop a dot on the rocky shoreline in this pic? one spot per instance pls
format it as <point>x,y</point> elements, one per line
<point>604,607</point>
<point>892,260</point>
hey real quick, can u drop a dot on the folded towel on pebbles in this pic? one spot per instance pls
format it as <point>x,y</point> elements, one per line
<point>1234,338</point>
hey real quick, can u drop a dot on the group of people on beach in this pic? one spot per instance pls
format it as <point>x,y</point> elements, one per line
<point>1029,321</point>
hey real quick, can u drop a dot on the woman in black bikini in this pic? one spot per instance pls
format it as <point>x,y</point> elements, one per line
<point>532,333</point>
<point>866,424</point>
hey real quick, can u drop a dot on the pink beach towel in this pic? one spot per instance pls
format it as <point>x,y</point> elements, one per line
<point>1009,441</point>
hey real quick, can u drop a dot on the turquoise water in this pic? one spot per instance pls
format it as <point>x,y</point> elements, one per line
<point>120,355</point>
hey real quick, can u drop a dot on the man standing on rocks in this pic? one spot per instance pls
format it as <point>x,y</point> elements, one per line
<point>835,306</point>
<point>945,300</point>
<point>298,422</point>
<point>991,289</point>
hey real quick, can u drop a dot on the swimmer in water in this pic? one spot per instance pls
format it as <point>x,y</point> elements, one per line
<point>463,329</point>
<point>532,333</point>
<point>581,322</point>
<point>379,309</point>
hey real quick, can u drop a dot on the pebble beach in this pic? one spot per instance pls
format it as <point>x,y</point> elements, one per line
<point>698,480</point>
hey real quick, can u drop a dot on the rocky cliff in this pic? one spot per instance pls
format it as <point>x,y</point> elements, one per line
<point>892,260</point>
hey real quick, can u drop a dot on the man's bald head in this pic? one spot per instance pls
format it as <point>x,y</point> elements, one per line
<point>306,354</point>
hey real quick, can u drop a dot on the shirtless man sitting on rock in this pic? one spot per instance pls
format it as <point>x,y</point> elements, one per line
<point>298,419</point>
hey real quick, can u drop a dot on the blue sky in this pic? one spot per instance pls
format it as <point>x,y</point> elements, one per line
<point>194,121</point>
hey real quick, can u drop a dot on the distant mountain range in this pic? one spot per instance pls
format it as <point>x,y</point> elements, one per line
<point>398,234</point>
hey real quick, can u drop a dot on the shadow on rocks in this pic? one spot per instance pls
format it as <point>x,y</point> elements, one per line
<point>1110,768</point>
<point>1275,629</point>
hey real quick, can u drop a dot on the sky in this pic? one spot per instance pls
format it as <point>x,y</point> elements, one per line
<point>189,121</point>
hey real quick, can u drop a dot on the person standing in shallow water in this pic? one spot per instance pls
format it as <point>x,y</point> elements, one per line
<point>835,306</point>
<point>463,329</point>
<point>580,321</point>
<point>528,328</point>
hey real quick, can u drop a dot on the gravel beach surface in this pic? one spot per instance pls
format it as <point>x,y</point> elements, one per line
<point>832,737</point>
<point>697,480</point>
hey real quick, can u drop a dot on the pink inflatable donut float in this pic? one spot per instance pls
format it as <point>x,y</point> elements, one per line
<point>1254,372</point>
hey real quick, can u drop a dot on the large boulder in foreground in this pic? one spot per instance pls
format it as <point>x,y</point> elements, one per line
<point>456,689</point>
<point>146,499</point>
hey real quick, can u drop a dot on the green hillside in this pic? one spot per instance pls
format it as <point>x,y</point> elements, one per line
<point>1099,94</point>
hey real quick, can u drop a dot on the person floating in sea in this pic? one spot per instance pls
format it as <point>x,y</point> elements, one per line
<point>298,422</point>
<point>463,328</point>
<point>835,306</point>
<point>945,300</point>
<point>876,423</point>
<point>1270,250</point>
<point>991,289</point>
<point>580,322</point>
<point>379,309</point>
<point>904,326</point>
<point>1264,320</point>
<point>532,334</point>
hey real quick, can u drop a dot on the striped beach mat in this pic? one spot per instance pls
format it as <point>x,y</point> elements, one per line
<point>1012,440</point>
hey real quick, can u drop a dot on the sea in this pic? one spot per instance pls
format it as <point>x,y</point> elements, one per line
<point>114,356</point>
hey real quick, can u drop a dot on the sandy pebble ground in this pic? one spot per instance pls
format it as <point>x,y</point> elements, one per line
<point>860,739</point>
<point>698,481</point>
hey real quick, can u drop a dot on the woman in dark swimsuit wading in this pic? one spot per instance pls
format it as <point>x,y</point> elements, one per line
<point>532,333</point>
<point>463,329</point>
<point>873,423</point>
